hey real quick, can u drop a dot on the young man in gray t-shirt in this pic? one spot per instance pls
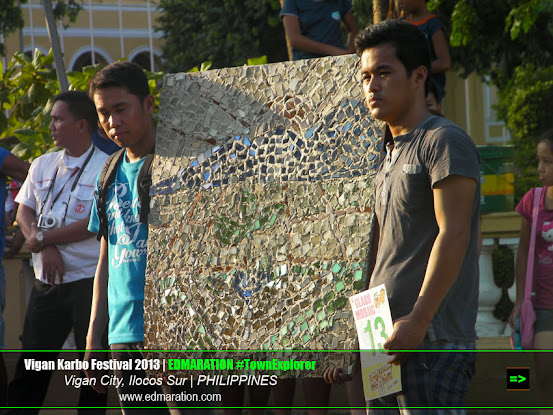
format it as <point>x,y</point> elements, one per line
<point>427,213</point>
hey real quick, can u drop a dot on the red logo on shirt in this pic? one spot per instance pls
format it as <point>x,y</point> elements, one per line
<point>79,208</point>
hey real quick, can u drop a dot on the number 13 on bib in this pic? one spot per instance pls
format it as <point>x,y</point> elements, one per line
<point>373,321</point>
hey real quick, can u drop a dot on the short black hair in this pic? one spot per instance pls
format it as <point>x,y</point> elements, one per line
<point>123,74</point>
<point>547,138</point>
<point>80,106</point>
<point>408,40</point>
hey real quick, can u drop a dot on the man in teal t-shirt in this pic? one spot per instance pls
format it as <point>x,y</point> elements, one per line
<point>125,106</point>
<point>127,248</point>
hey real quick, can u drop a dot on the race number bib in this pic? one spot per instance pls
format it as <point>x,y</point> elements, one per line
<point>373,321</point>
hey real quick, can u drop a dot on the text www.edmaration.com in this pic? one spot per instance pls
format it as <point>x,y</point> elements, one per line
<point>170,397</point>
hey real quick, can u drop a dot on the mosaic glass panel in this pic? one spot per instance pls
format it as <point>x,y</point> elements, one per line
<point>261,207</point>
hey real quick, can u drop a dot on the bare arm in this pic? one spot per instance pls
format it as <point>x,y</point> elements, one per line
<point>74,232</point>
<point>299,41</point>
<point>453,200</point>
<point>52,263</point>
<point>98,312</point>
<point>15,244</point>
<point>15,167</point>
<point>520,268</point>
<point>99,308</point>
<point>352,29</point>
<point>442,63</point>
<point>26,217</point>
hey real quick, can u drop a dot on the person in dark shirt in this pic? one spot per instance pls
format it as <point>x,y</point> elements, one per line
<point>427,186</point>
<point>416,12</point>
<point>313,27</point>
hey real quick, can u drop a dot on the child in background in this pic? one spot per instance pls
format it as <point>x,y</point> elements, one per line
<point>543,269</point>
<point>416,12</point>
<point>432,102</point>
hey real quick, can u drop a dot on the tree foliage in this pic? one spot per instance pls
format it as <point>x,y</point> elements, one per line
<point>25,90</point>
<point>67,11</point>
<point>224,32</point>
<point>525,105</point>
<point>363,11</point>
<point>494,37</point>
<point>510,44</point>
<point>27,87</point>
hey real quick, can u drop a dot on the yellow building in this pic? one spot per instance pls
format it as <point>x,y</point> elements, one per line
<point>469,103</point>
<point>105,31</point>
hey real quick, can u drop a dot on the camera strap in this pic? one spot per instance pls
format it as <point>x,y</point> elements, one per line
<point>78,171</point>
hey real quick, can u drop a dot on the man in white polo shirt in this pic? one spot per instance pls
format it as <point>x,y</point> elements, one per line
<point>55,203</point>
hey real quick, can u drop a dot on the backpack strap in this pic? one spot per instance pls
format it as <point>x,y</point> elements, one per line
<point>107,175</point>
<point>144,181</point>
<point>532,248</point>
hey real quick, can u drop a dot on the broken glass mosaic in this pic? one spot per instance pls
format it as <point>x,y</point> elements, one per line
<point>261,208</point>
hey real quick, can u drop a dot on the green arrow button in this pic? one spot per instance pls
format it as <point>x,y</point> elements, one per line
<point>517,379</point>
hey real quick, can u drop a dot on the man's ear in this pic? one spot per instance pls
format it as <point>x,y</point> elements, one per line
<point>83,125</point>
<point>419,75</point>
<point>149,105</point>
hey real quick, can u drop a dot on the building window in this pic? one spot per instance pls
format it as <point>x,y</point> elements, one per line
<point>496,132</point>
<point>142,59</point>
<point>85,59</point>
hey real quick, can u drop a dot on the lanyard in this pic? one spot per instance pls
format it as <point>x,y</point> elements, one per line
<point>78,171</point>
